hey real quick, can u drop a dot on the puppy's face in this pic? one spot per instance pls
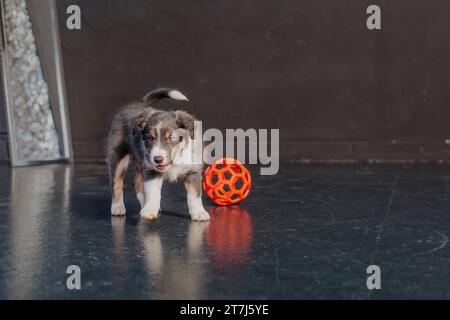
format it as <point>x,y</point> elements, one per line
<point>163,136</point>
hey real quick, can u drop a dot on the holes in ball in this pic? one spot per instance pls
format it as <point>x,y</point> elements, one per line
<point>226,188</point>
<point>239,184</point>
<point>228,175</point>
<point>219,166</point>
<point>214,179</point>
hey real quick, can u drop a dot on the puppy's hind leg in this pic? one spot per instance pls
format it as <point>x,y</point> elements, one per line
<point>117,170</point>
<point>139,185</point>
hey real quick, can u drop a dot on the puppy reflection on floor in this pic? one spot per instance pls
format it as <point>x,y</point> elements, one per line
<point>180,277</point>
<point>223,243</point>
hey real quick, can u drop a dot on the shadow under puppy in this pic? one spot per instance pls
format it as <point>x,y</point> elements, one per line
<point>161,143</point>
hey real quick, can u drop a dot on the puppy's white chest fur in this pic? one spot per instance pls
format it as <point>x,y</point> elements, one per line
<point>176,171</point>
<point>183,161</point>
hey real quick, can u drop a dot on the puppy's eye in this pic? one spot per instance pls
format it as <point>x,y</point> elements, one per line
<point>172,138</point>
<point>180,139</point>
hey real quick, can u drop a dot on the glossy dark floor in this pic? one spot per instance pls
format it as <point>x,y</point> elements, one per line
<point>309,232</point>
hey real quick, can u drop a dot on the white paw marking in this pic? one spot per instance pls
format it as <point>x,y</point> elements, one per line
<point>201,215</point>
<point>149,213</point>
<point>153,198</point>
<point>196,209</point>
<point>118,209</point>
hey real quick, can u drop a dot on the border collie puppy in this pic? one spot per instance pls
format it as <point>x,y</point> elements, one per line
<point>161,143</point>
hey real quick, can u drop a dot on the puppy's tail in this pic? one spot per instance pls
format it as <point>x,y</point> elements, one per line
<point>162,93</point>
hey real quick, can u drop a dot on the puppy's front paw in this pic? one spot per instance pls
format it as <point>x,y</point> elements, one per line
<point>149,213</point>
<point>201,215</point>
<point>118,209</point>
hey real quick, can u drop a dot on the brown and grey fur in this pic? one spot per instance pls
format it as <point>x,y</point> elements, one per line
<point>148,136</point>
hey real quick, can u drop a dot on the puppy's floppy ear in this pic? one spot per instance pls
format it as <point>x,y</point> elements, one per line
<point>139,122</point>
<point>185,121</point>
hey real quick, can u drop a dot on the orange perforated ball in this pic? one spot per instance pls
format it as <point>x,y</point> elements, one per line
<point>227,181</point>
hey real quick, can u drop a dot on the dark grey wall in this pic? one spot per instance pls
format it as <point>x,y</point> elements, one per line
<point>337,91</point>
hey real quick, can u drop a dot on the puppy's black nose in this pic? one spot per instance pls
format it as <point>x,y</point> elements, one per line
<point>158,159</point>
